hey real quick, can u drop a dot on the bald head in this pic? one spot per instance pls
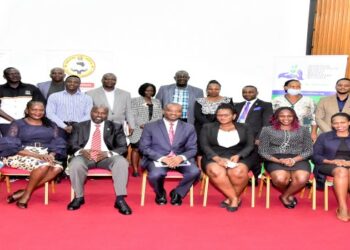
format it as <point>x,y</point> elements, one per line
<point>57,74</point>
<point>181,77</point>
<point>109,80</point>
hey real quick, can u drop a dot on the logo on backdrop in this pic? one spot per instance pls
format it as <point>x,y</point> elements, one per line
<point>294,73</point>
<point>80,65</point>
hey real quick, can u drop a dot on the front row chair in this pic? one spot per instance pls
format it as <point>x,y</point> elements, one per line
<point>8,172</point>
<point>265,177</point>
<point>94,172</point>
<point>206,185</point>
<point>329,181</point>
<point>172,174</point>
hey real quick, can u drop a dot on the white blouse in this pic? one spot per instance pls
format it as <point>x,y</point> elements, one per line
<point>228,138</point>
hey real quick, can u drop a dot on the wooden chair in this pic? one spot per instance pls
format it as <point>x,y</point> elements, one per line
<point>265,177</point>
<point>329,182</point>
<point>8,172</point>
<point>93,172</point>
<point>172,174</point>
<point>206,186</point>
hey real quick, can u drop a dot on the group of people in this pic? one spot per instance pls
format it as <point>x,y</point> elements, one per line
<point>174,129</point>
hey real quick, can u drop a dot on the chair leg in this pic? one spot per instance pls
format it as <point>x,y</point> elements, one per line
<point>53,189</point>
<point>313,190</point>
<point>202,184</point>
<point>302,193</point>
<point>46,193</point>
<point>268,191</point>
<point>262,179</point>
<point>8,184</point>
<point>253,191</point>
<point>326,196</point>
<point>191,196</point>
<point>205,194</point>
<point>143,188</point>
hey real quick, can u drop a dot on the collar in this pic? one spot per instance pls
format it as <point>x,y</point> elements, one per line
<point>76,93</point>
<point>7,84</point>
<point>342,100</point>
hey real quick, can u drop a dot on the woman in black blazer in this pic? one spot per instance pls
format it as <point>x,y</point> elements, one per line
<point>227,155</point>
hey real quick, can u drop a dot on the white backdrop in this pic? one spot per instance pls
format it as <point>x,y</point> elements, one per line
<point>234,42</point>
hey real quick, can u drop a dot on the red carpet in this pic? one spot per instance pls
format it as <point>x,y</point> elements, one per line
<point>97,225</point>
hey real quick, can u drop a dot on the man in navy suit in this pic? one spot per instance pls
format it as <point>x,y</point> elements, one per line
<point>170,144</point>
<point>181,93</point>
<point>256,113</point>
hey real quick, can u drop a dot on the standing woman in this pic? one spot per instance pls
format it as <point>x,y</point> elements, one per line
<point>145,109</point>
<point>227,148</point>
<point>332,158</point>
<point>33,143</point>
<point>286,147</point>
<point>304,106</point>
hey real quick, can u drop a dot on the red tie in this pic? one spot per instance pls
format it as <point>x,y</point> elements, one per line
<point>96,142</point>
<point>171,137</point>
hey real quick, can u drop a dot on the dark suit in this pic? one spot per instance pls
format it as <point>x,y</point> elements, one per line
<point>258,116</point>
<point>154,144</point>
<point>115,141</point>
<point>210,146</point>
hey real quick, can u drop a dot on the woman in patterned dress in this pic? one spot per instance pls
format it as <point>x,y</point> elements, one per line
<point>33,143</point>
<point>304,106</point>
<point>286,147</point>
<point>145,109</point>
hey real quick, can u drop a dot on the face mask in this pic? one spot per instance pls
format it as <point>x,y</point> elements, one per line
<point>294,91</point>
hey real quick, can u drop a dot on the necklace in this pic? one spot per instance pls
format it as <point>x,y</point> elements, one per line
<point>285,143</point>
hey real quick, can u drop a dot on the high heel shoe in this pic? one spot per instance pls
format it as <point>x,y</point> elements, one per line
<point>22,205</point>
<point>13,198</point>
<point>287,205</point>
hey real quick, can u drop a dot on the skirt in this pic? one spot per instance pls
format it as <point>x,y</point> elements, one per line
<point>300,165</point>
<point>327,169</point>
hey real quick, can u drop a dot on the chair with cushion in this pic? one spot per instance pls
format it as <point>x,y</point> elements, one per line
<point>170,175</point>
<point>8,172</point>
<point>206,186</point>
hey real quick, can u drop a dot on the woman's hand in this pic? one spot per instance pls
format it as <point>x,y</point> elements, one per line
<point>220,161</point>
<point>234,158</point>
<point>289,162</point>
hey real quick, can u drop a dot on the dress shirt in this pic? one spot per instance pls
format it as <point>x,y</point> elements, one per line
<point>62,106</point>
<point>110,97</point>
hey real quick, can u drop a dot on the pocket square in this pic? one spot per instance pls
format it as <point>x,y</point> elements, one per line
<point>257,108</point>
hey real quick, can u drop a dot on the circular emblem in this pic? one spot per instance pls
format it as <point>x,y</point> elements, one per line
<point>80,65</point>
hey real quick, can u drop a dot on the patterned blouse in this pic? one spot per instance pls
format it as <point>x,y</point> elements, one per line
<point>305,109</point>
<point>273,141</point>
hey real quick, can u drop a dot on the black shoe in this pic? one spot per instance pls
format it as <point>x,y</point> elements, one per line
<point>122,207</point>
<point>76,203</point>
<point>161,198</point>
<point>176,199</point>
<point>287,205</point>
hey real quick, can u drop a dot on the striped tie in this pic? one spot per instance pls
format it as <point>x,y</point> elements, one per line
<point>96,142</point>
<point>171,137</point>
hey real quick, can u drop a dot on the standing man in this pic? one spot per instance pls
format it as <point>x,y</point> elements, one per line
<point>181,93</point>
<point>99,143</point>
<point>14,96</point>
<point>170,144</point>
<point>333,104</point>
<point>256,113</point>
<point>118,101</point>
<point>56,84</point>
<point>69,106</point>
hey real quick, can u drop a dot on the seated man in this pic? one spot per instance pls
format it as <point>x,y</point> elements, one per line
<point>99,143</point>
<point>168,144</point>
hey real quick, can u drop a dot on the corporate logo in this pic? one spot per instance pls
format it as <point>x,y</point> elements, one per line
<point>294,73</point>
<point>80,65</point>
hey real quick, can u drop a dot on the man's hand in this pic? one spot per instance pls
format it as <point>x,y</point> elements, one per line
<point>172,161</point>
<point>101,155</point>
<point>85,153</point>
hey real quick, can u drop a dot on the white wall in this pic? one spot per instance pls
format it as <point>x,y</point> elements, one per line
<point>234,42</point>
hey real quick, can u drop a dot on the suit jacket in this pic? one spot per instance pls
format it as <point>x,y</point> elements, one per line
<point>210,146</point>
<point>166,93</point>
<point>154,142</point>
<point>121,110</point>
<point>258,116</point>
<point>44,88</point>
<point>113,136</point>
<point>327,107</point>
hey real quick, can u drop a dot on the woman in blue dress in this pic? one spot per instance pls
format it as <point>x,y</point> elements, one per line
<point>33,144</point>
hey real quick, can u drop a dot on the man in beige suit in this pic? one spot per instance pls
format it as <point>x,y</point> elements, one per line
<point>118,101</point>
<point>333,104</point>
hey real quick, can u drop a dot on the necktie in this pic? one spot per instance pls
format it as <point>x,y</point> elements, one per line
<point>244,114</point>
<point>96,142</point>
<point>171,137</point>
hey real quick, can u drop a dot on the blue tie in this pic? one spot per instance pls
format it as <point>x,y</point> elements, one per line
<point>244,114</point>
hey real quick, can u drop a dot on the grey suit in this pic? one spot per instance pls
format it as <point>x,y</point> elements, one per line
<point>121,110</point>
<point>166,93</point>
<point>327,107</point>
